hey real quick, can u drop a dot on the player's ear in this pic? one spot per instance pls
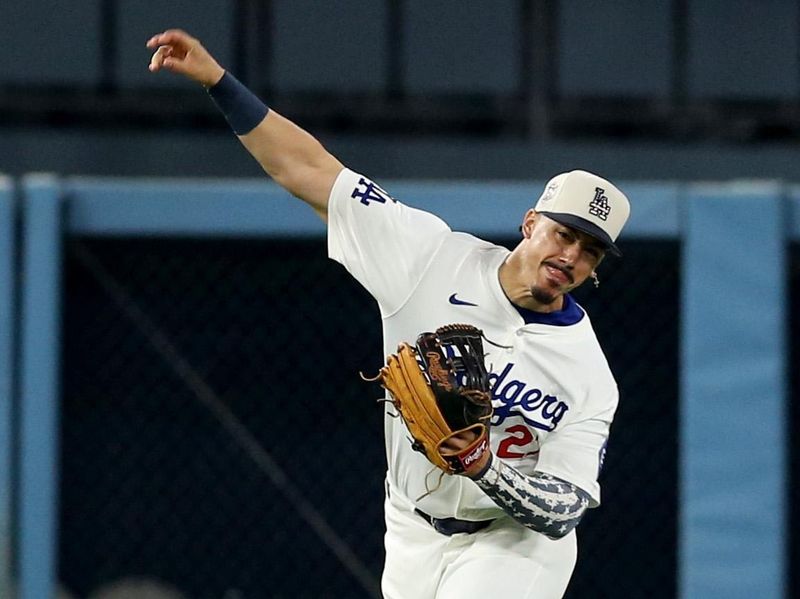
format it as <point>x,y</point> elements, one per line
<point>528,222</point>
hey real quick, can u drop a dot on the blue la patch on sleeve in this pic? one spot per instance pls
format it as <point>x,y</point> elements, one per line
<point>368,191</point>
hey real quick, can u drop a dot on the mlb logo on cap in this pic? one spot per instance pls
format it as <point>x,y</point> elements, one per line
<point>586,202</point>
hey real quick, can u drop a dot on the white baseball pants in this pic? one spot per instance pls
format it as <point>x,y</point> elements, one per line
<point>504,560</point>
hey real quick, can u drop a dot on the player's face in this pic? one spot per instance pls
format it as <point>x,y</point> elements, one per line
<point>555,258</point>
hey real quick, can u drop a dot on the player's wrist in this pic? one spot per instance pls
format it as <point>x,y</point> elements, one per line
<point>214,77</point>
<point>240,107</point>
<point>482,467</point>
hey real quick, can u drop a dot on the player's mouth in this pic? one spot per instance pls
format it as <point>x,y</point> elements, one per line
<point>558,274</point>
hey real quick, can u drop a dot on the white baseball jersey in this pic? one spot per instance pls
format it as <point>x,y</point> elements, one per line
<point>553,394</point>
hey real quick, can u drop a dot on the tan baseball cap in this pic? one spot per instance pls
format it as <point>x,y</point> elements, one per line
<point>586,202</point>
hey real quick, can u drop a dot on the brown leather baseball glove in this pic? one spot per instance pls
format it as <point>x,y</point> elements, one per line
<point>440,388</point>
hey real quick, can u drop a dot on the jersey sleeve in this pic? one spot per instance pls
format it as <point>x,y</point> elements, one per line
<point>385,245</point>
<point>575,452</point>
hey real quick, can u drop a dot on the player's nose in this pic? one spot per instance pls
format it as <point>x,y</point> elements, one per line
<point>569,254</point>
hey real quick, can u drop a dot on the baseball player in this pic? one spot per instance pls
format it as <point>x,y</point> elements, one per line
<point>506,527</point>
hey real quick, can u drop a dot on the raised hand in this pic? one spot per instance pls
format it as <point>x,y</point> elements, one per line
<point>179,52</point>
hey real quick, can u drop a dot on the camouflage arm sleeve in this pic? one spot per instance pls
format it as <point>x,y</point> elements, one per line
<point>540,502</point>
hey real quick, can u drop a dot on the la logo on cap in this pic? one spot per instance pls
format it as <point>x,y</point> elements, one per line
<point>599,204</point>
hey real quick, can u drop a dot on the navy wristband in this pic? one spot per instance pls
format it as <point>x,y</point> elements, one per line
<point>241,108</point>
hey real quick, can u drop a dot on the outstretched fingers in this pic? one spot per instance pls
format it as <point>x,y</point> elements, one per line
<point>171,43</point>
<point>165,57</point>
<point>179,52</point>
<point>174,37</point>
<point>157,60</point>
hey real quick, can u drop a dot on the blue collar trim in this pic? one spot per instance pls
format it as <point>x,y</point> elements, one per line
<point>570,313</point>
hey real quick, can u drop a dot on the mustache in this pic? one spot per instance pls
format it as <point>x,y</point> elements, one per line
<point>561,268</point>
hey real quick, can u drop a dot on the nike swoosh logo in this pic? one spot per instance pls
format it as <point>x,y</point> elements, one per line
<point>457,302</point>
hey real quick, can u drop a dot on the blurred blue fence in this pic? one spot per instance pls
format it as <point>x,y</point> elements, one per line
<point>7,324</point>
<point>733,369</point>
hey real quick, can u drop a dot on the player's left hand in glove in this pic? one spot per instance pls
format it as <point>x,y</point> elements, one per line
<point>440,388</point>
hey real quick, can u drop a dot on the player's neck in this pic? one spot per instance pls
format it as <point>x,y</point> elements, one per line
<point>520,294</point>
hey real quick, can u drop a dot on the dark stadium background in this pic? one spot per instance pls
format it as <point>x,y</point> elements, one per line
<point>151,485</point>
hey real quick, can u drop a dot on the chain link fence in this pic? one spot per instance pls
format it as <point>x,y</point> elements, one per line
<point>216,437</point>
<point>628,546</point>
